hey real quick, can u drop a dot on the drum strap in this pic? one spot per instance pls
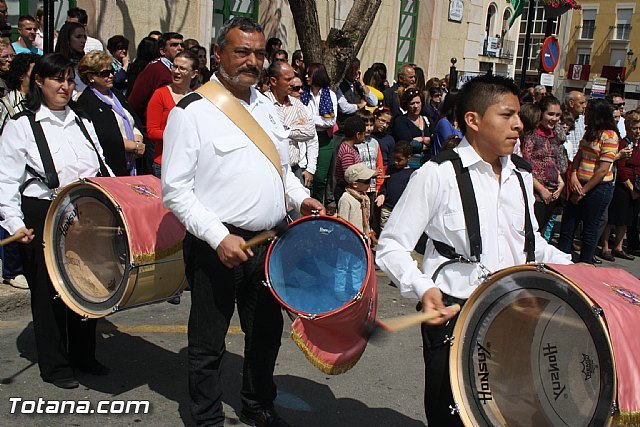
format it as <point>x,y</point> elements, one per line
<point>50,178</point>
<point>470,211</point>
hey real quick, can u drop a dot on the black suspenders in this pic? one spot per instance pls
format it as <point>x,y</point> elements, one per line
<point>470,211</point>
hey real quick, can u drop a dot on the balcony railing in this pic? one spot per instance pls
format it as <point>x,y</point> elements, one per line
<point>496,47</point>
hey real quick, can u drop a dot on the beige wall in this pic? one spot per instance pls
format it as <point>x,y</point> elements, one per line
<point>134,19</point>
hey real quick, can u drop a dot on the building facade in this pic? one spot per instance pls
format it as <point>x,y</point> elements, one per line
<point>424,32</point>
<point>602,42</point>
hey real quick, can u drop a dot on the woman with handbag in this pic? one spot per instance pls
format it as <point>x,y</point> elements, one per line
<point>44,148</point>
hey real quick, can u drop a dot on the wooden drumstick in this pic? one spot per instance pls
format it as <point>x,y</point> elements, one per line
<point>278,230</point>
<point>400,323</point>
<point>14,238</point>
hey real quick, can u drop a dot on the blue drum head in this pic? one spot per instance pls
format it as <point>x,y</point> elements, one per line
<point>317,266</point>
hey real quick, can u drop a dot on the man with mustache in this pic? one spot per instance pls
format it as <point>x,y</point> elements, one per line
<point>226,191</point>
<point>478,226</point>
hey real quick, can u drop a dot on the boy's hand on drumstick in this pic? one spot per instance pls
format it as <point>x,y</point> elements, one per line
<point>432,301</point>
<point>230,252</point>
<point>27,235</point>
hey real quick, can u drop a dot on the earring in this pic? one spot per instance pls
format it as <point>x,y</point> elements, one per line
<point>91,81</point>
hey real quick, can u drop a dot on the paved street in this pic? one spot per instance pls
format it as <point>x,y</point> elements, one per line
<point>146,348</point>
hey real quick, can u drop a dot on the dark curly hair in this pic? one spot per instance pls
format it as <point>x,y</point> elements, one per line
<point>19,68</point>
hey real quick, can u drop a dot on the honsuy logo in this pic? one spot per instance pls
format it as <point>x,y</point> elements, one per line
<point>484,392</point>
<point>551,353</point>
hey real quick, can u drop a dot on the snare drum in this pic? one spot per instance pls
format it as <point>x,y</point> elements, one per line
<point>110,245</point>
<point>322,270</point>
<point>535,345</point>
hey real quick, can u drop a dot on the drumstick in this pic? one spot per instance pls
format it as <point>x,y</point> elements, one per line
<point>400,323</point>
<point>278,230</point>
<point>14,238</point>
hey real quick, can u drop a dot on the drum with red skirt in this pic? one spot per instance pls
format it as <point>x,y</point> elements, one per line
<point>110,244</point>
<point>321,269</point>
<point>549,345</point>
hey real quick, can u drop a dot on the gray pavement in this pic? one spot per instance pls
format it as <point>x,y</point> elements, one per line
<point>146,349</point>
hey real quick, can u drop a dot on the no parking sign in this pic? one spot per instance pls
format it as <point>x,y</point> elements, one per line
<point>550,53</point>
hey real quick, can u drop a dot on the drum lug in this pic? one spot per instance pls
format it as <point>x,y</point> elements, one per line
<point>540,268</point>
<point>598,311</point>
<point>84,318</point>
<point>454,409</point>
<point>449,340</point>
<point>614,408</point>
<point>315,212</point>
<point>56,296</point>
<point>115,308</point>
<point>118,208</point>
<point>265,283</point>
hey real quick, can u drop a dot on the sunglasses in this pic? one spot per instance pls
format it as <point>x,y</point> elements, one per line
<point>618,106</point>
<point>364,181</point>
<point>106,72</point>
<point>176,44</point>
<point>296,88</point>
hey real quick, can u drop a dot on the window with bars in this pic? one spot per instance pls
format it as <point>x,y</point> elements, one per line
<point>584,56</point>
<point>537,35</point>
<point>588,24</point>
<point>623,24</point>
<point>223,10</point>
<point>407,32</point>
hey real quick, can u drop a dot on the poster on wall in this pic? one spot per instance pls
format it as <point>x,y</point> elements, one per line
<point>456,8</point>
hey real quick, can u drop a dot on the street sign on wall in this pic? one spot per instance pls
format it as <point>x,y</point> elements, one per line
<point>550,54</point>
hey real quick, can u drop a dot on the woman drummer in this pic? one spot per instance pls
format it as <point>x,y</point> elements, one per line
<point>33,170</point>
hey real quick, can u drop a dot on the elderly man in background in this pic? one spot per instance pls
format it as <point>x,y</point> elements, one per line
<point>575,103</point>
<point>406,78</point>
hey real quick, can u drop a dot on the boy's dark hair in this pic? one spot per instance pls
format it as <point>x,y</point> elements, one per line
<point>19,68</point>
<point>117,42</point>
<point>451,142</point>
<point>404,148</point>
<point>352,126</point>
<point>154,33</point>
<point>24,18</point>
<point>365,115</point>
<point>480,93</point>
<point>162,41</point>
<point>79,14</point>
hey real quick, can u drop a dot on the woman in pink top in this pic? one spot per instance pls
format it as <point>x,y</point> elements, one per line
<point>184,71</point>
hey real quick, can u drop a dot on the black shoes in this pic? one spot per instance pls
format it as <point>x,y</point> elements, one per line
<point>94,368</point>
<point>66,383</point>
<point>596,260</point>
<point>607,256</point>
<point>262,418</point>
<point>622,255</point>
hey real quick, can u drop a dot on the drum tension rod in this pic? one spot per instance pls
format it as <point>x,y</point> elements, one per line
<point>449,340</point>
<point>598,311</point>
<point>84,318</point>
<point>614,407</point>
<point>56,296</point>
<point>455,409</point>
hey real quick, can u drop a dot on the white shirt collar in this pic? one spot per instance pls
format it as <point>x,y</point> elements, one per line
<point>254,99</point>
<point>470,156</point>
<point>44,113</point>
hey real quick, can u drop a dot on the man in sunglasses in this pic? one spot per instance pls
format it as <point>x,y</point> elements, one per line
<point>618,104</point>
<point>298,123</point>
<point>156,74</point>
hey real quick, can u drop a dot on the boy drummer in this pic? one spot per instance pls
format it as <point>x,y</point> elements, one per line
<point>476,205</point>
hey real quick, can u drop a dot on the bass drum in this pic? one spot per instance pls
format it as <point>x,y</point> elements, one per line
<point>111,245</point>
<point>531,348</point>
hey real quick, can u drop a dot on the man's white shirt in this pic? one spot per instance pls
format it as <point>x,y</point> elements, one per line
<point>431,204</point>
<point>212,173</point>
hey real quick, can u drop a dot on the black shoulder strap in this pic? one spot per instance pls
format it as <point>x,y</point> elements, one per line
<point>50,174</point>
<point>469,207</point>
<point>445,156</point>
<point>521,163</point>
<point>184,102</point>
<point>529,237</point>
<point>103,168</point>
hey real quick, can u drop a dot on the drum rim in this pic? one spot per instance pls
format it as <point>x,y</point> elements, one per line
<point>461,326</point>
<point>312,316</point>
<point>53,268</point>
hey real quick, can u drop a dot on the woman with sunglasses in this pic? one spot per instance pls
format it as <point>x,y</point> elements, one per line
<point>71,41</point>
<point>183,72</point>
<point>413,127</point>
<point>64,340</point>
<point>117,125</point>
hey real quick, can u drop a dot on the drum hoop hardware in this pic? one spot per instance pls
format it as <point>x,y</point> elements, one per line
<point>315,212</point>
<point>454,409</point>
<point>614,408</point>
<point>116,307</point>
<point>56,296</point>
<point>84,318</point>
<point>266,284</point>
<point>599,312</point>
<point>449,340</point>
